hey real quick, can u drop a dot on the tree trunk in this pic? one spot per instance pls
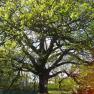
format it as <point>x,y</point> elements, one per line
<point>43,84</point>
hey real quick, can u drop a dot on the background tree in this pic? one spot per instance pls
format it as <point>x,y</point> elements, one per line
<point>85,80</point>
<point>48,33</point>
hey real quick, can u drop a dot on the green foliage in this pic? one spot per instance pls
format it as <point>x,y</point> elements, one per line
<point>29,23</point>
<point>69,85</point>
<point>54,86</point>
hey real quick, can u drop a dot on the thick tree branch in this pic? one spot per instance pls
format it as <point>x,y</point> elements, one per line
<point>30,57</point>
<point>30,44</point>
<point>60,57</point>
<point>41,46</point>
<point>62,63</point>
<point>55,74</point>
<point>74,77</point>
<point>26,67</point>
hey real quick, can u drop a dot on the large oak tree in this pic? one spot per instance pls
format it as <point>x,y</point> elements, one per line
<point>49,33</point>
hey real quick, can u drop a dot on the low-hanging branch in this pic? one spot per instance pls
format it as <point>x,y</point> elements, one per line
<point>62,63</point>
<point>61,56</point>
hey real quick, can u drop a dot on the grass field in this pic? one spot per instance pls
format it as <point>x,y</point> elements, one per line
<point>54,92</point>
<point>59,92</point>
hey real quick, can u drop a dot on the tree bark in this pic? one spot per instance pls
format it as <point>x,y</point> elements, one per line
<point>43,84</point>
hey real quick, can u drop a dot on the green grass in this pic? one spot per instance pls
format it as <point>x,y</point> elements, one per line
<point>54,92</point>
<point>59,92</point>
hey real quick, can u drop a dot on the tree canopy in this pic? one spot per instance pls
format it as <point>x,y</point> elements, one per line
<point>47,34</point>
